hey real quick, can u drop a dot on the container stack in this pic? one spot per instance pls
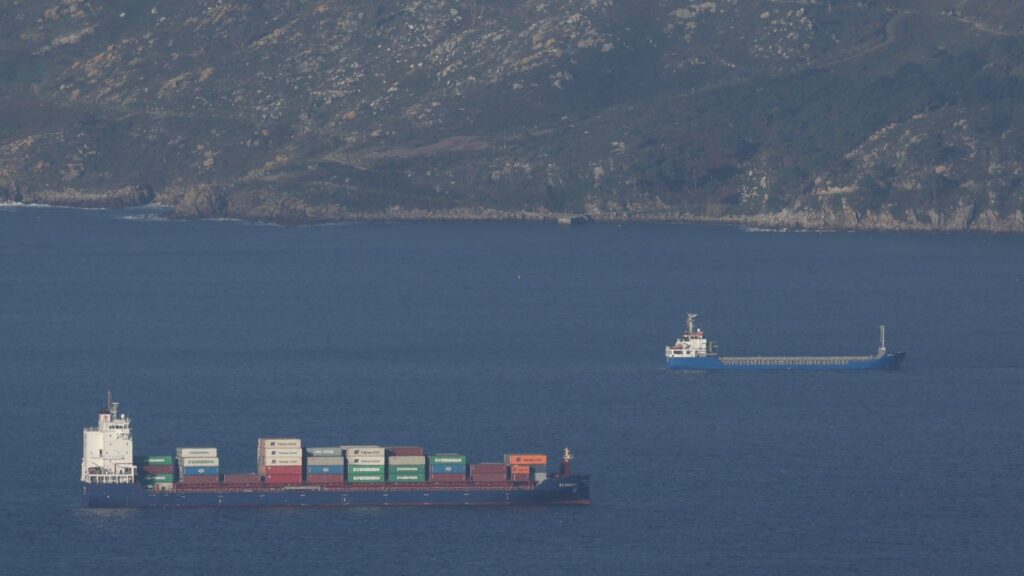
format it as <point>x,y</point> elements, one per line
<point>366,464</point>
<point>522,466</point>
<point>156,472</point>
<point>406,464</point>
<point>488,473</point>
<point>325,466</point>
<point>447,468</point>
<point>280,460</point>
<point>198,466</point>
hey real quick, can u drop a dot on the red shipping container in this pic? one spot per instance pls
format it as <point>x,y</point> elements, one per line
<point>489,478</point>
<point>448,478</point>
<point>325,479</point>
<point>520,477</point>
<point>487,468</point>
<point>405,451</point>
<point>282,470</point>
<point>282,479</point>
<point>200,480</point>
<point>241,478</point>
<point>156,469</point>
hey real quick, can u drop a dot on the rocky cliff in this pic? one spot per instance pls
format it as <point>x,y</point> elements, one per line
<point>906,114</point>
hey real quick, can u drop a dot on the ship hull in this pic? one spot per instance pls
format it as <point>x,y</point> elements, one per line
<point>888,361</point>
<point>553,491</point>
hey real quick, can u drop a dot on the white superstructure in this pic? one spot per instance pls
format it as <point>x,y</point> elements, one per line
<point>692,344</point>
<point>107,455</point>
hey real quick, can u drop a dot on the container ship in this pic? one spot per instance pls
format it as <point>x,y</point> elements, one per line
<point>692,351</point>
<point>289,473</point>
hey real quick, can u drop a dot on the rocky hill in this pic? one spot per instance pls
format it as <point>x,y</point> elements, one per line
<point>905,114</point>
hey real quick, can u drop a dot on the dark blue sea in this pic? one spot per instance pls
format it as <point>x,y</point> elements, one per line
<point>485,338</point>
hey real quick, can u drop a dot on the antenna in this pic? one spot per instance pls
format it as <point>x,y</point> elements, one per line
<point>881,336</point>
<point>111,405</point>
<point>689,322</point>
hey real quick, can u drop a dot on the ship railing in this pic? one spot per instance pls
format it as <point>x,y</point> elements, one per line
<point>798,360</point>
<point>111,478</point>
<point>382,487</point>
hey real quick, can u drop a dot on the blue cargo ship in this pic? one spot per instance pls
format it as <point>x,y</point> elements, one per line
<point>112,479</point>
<point>693,351</point>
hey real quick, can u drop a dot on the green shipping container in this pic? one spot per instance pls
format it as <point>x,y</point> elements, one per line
<point>447,459</point>
<point>159,486</point>
<point>366,478</point>
<point>410,469</point>
<point>155,460</point>
<point>379,470</point>
<point>324,451</point>
<point>157,478</point>
<point>407,478</point>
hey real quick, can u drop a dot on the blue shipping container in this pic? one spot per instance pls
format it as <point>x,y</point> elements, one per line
<point>448,469</point>
<point>200,471</point>
<point>329,469</point>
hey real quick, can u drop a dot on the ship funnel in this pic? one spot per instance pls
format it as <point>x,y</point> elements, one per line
<point>566,463</point>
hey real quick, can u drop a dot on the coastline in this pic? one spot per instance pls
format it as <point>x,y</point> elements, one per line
<point>785,221</point>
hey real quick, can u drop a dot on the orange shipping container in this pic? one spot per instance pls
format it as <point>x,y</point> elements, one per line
<point>529,459</point>
<point>520,469</point>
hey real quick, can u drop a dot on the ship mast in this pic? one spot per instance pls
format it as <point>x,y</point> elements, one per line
<point>689,322</point>
<point>566,462</point>
<point>881,339</point>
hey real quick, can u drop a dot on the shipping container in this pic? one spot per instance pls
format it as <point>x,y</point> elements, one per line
<point>411,478</point>
<point>154,461</point>
<point>289,461</point>
<point>520,469</point>
<point>193,462</point>
<point>201,479</point>
<point>249,478</point>
<point>448,469</point>
<point>407,460</point>
<point>282,453</point>
<point>325,479</point>
<point>200,471</point>
<point>321,469</point>
<point>540,476</point>
<point>279,443</point>
<point>159,486</point>
<point>488,468</point>
<point>365,469</point>
<point>366,460</point>
<point>197,453</point>
<point>447,459</point>
<point>520,478</point>
<point>366,478</point>
<point>315,452</point>
<point>156,469</point>
<point>351,451</point>
<point>325,460</point>
<point>157,478</point>
<point>528,459</point>
<point>447,478</point>
<point>285,470</point>
<point>490,478</point>
<point>405,451</point>
<point>412,469</point>
<point>282,480</point>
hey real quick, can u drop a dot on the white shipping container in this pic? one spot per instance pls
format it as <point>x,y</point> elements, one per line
<point>291,452</point>
<point>287,461</point>
<point>197,453</point>
<point>366,461</point>
<point>363,450</point>
<point>280,443</point>
<point>407,460</point>
<point>325,461</point>
<point>199,462</point>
